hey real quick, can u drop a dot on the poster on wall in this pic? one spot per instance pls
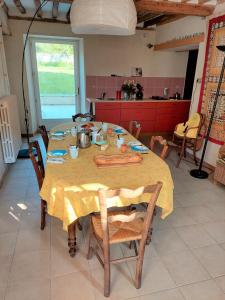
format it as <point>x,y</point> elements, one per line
<point>212,68</point>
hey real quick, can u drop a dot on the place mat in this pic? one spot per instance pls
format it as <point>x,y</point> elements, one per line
<point>117,160</point>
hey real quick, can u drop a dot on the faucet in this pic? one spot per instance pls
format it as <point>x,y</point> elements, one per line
<point>103,95</point>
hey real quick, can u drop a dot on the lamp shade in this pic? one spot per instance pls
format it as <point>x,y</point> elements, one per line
<point>108,17</point>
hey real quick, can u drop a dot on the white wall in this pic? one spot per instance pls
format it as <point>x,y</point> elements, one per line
<point>179,28</point>
<point>212,149</point>
<point>104,55</point>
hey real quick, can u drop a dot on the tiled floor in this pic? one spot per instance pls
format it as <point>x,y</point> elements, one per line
<point>185,261</point>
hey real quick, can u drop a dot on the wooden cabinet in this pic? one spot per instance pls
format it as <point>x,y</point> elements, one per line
<point>153,116</point>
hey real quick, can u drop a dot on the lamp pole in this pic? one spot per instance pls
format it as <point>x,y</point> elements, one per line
<point>199,173</point>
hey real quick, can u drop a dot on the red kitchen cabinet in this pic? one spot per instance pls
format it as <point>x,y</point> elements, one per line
<point>108,112</point>
<point>153,116</point>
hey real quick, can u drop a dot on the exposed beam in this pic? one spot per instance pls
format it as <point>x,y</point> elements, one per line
<point>37,4</point>
<point>168,7</point>
<point>145,17</point>
<point>153,21</point>
<point>170,19</point>
<point>20,6</point>
<point>48,20</point>
<point>202,1</point>
<point>172,44</point>
<point>55,9</point>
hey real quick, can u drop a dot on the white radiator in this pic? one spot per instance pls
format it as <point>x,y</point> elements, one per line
<point>10,133</point>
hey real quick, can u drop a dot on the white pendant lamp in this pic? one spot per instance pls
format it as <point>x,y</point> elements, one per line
<point>108,17</point>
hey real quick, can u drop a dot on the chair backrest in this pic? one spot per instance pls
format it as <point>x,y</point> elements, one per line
<point>160,140</point>
<point>44,135</point>
<point>135,128</point>
<point>37,161</point>
<point>201,132</point>
<point>83,116</point>
<point>105,195</point>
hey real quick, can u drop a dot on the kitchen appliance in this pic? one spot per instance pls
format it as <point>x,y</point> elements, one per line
<point>84,138</point>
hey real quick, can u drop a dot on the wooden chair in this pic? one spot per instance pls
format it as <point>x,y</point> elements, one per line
<point>83,116</point>
<point>162,142</point>
<point>38,165</point>
<point>135,128</point>
<point>119,227</point>
<point>189,137</point>
<point>44,135</point>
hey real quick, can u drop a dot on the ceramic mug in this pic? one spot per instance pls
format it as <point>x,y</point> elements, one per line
<point>73,131</point>
<point>104,126</point>
<point>73,151</point>
<point>119,142</point>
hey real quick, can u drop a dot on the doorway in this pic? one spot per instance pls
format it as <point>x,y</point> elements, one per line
<point>57,74</point>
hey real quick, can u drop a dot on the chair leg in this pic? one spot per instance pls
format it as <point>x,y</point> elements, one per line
<point>43,213</point>
<point>90,249</point>
<point>139,266</point>
<point>181,154</point>
<point>195,158</point>
<point>106,279</point>
<point>79,225</point>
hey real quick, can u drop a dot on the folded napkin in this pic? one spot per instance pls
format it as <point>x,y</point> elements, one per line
<point>55,138</point>
<point>117,160</point>
<point>58,160</point>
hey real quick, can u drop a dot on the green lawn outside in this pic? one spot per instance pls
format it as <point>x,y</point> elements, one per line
<point>56,80</point>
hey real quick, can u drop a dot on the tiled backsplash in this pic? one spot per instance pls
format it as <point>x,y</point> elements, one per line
<point>153,86</point>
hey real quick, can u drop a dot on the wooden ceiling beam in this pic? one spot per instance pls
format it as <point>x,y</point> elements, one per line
<point>20,6</point>
<point>37,4</point>
<point>55,9</point>
<point>168,7</point>
<point>146,17</point>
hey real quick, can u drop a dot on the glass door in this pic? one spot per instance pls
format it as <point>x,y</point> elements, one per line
<point>56,74</point>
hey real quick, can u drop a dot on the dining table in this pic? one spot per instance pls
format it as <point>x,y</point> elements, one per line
<point>71,188</point>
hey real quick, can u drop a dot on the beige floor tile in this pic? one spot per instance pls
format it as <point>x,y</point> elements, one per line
<point>184,268</point>
<point>30,265</point>
<point>2,293</point>
<point>7,243</point>
<point>122,285</point>
<point>155,276</point>
<point>195,236</point>
<point>72,286</point>
<point>29,290</point>
<point>218,209</point>
<point>9,222</point>
<point>5,263</point>
<point>222,245</point>
<point>206,290</point>
<point>166,241</point>
<point>32,219</point>
<point>62,263</point>
<point>165,295</point>
<point>33,239</point>
<point>216,230</point>
<point>212,258</point>
<point>200,214</point>
<point>220,281</point>
<point>180,218</point>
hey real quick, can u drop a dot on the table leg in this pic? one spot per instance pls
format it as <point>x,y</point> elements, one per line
<point>72,239</point>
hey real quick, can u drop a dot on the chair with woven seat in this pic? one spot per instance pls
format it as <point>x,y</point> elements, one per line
<point>162,142</point>
<point>86,116</point>
<point>135,128</point>
<point>37,161</point>
<point>189,135</point>
<point>120,227</point>
<point>44,135</point>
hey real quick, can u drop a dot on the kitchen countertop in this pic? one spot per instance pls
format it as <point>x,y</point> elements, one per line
<point>94,100</point>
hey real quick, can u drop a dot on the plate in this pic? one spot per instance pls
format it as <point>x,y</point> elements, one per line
<point>118,130</point>
<point>58,133</point>
<point>139,148</point>
<point>56,153</point>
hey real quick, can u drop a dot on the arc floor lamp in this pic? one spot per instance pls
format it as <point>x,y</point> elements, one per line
<point>199,173</point>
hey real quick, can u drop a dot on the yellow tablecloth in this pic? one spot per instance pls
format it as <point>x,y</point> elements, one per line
<point>70,189</point>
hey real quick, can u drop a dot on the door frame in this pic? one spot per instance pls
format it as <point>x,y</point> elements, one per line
<point>32,73</point>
